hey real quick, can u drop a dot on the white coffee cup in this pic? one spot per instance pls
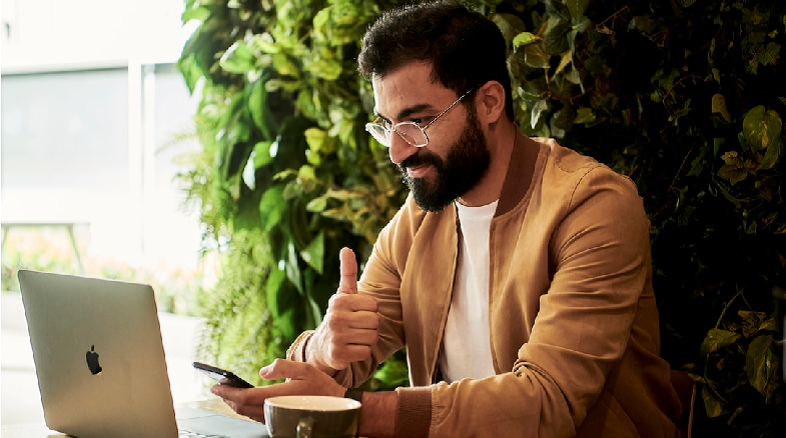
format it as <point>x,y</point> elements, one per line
<point>312,416</point>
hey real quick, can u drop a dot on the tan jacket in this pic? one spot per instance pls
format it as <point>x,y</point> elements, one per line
<point>573,319</point>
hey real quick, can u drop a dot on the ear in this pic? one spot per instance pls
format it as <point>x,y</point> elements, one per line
<point>490,102</point>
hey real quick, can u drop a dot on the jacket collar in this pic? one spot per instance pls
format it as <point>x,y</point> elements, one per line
<point>521,170</point>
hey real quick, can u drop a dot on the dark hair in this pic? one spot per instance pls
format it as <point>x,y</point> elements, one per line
<point>465,48</point>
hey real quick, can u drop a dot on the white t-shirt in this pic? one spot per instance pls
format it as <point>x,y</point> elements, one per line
<point>466,347</point>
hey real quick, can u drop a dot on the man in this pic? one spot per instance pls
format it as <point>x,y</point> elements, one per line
<point>517,274</point>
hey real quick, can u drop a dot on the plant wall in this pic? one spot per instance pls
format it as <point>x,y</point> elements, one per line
<point>684,96</point>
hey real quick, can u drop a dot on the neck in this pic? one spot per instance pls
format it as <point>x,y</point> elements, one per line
<point>500,139</point>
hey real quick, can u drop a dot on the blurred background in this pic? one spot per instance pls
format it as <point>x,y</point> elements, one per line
<point>94,118</point>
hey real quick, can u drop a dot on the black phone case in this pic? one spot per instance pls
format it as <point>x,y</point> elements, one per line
<point>223,377</point>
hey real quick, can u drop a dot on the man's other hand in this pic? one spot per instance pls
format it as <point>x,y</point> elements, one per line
<point>302,379</point>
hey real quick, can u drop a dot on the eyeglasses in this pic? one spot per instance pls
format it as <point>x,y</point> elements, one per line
<point>411,132</point>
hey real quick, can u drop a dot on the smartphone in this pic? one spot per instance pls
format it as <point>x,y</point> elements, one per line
<point>223,377</point>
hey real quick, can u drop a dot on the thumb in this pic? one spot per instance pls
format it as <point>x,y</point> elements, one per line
<point>348,284</point>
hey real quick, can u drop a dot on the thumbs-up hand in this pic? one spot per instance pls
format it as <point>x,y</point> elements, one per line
<point>349,330</point>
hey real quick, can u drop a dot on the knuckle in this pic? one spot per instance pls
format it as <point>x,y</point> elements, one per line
<point>334,322</point>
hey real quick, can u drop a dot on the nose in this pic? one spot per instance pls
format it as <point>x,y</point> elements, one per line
<point>400,150</point>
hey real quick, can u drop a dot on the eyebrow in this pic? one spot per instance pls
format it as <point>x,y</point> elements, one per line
<point>406,112</point>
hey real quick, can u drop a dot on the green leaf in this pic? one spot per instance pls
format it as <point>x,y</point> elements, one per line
<point>537,111</point>
<point>258,107</point>
<point>272,207</point>
<point>717,339</point>
<point>751,322</point>
<point>315,138</point>
<point>761,364</point>
<point>555,8</point>
<point>200,13</point>
<point>719,107</point>
<point>535,56</point>
<point>577,8</point>
<point>314,254</point>
<point>264,42</point>
<point>524,39</point>
<point>284,65</point>
<point>584,115</point>
<point>272,289</point>
<point>712,405</point>
<point>773,154</point>
<point>322,68</point>
<point>261,154</point>
<point>734,173</point>
<point>565,59</point>
<point>771,324</point>
<point>761,127</point>
<point>770,54</point>
<point>293,268</point>
<point>557,36</point>
<point>238,58</point>
<point>317,205</point>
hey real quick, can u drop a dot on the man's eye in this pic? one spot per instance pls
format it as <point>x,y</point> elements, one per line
<point>418,122</point>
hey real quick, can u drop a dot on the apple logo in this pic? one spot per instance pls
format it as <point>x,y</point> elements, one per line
<point>92,360</point>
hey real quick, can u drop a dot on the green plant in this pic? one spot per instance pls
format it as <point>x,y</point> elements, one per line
<point>287,175</point>
<point>685,100</point>
<point>683,96</point>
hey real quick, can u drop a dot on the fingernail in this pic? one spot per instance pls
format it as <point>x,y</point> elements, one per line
<point>214,390</point>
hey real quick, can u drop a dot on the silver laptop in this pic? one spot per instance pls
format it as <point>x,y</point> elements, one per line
<point>100,362</point>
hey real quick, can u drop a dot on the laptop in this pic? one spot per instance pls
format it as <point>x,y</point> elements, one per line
<point>100,362</point>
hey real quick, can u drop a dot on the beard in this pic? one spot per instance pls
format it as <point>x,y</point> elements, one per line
<point>466,163</point>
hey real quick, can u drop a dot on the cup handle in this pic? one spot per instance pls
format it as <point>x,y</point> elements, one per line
<point>305,428</point>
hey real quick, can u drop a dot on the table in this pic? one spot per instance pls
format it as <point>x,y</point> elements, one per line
<point>39,430</point>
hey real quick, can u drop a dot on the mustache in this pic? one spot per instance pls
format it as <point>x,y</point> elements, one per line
<point>422,157</point>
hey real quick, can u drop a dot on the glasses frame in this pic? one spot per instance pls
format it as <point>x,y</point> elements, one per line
<point>376,124</point>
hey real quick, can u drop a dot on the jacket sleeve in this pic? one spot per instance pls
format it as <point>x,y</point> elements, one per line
<point>599,262</point>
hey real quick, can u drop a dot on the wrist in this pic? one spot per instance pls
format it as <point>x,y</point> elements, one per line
<point>377,414</point>
<point>311,355</point>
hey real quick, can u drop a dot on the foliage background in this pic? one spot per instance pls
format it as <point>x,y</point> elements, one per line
<point>178,289</point>
<point>684,96</point>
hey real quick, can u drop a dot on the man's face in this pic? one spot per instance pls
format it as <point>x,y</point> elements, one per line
<point>456,157</point>
<point>466,162</point>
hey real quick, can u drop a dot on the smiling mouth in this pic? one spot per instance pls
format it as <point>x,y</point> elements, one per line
<point>418,171</point>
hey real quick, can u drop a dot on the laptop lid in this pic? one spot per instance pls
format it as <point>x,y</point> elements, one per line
<point>99,359</point>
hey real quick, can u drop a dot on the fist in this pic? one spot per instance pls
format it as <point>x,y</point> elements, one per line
<point>349,330</point>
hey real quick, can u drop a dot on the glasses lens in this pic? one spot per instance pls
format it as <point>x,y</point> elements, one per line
<point>412,134</point>
<point>379,133</point>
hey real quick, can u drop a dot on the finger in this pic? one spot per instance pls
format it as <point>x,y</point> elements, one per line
<point>285,369</point>
<point>357,337</point>
<point>349,272</point>
<point>352,303</point>
<point>226,392</point>
<point>354,353</point>
<point>246,402</point>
